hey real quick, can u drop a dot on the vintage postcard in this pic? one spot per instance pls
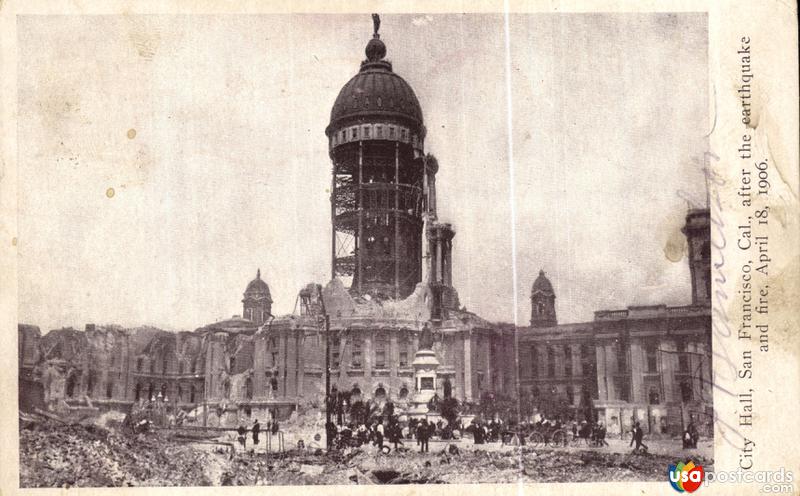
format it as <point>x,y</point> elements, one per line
<point>547,247</point>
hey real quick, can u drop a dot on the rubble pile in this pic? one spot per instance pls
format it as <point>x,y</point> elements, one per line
<point>456,467</point>
<point>54,454</point>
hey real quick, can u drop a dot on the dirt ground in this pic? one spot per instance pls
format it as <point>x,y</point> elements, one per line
<point>53,454</point>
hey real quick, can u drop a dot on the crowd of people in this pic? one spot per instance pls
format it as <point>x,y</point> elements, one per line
<point>384,433</point>
<point>272,427</point>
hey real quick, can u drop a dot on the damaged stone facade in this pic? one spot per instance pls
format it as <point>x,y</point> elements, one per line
<point>236,369</point>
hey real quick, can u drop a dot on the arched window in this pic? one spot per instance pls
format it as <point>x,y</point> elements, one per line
<point>274,384</point>
<point>226,389</point>
<point>163,391</point>
<point>109,389</point>
<point>138,392</point>
<point>192,395</point>
<point>139,364</point>
<point>403,393</point>
<point>380,393</point>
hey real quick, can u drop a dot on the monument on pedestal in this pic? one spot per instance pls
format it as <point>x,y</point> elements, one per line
<point>425,367</point>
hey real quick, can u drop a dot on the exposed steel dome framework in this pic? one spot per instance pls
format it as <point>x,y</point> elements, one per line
<point>376,144</point>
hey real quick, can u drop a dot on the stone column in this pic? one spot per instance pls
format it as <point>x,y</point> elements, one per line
<point>366,355</point>
<point>302,353</point>
<point>467,338</point>
<point>577,366</point>
<point>344,359</point>
<point>394,357</point>
<point>669,363</point>
<point>283,367</point>
<point>259,367</point>
<point>488,357</point>
<point>637,367</point>
<point>541,360</point>
<point>704,372</point>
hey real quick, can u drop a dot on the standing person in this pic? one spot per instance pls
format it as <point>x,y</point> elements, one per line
<point>694,435</point>
<point>637,434</point>
<point>256,432</point>
<point>422,436</point>
<point>397,434</point>
<point>242,431</point>
<point>601,435</point>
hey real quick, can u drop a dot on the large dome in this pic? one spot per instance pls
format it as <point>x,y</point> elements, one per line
<point>376,91</point>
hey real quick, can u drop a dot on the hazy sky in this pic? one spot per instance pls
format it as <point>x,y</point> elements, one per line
<point>210,130</point>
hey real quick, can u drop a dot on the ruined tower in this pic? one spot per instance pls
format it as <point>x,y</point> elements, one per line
<point>257,301</point>
<point>543,302</point>
<point>698,237</point>
<point>375,142</point>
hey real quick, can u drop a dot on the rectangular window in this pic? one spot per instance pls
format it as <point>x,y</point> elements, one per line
<point>380,352</point>
<point>568,360</point>
<point>366,131</point>
<point>403,359</point>
<point>426,383</point>
<point>622,359</point>
<point>391,132</point>
<point>356,358</point>
<point>379,132</point>
<point>355,133</point>
<point>551,362</point>
<point>335,353</point>
<point>683,358</point>
<point>651,354</point>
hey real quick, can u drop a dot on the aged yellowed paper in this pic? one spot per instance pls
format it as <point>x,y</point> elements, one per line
<point>515,246</point>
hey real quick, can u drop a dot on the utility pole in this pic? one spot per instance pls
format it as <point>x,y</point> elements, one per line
<point>327,323</point>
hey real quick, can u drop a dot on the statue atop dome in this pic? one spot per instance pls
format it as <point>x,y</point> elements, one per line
<point>376,22</point>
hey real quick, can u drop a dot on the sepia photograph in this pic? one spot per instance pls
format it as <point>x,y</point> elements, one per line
<point>334,249</point>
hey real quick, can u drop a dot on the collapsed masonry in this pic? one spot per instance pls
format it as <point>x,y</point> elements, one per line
<point>235,369</point>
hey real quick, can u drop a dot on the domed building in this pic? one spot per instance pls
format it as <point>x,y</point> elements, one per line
<point>543,302</point>
<point>650,364</point>
<point>257,301</point>
<point>376,145</point>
